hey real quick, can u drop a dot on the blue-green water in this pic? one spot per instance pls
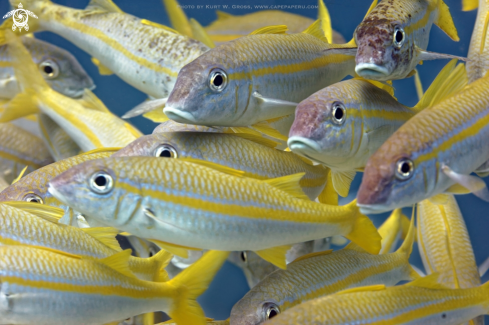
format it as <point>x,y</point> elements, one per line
<point>230,285</point>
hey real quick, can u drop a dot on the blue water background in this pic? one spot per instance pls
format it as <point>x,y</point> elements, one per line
<point>230,285</point>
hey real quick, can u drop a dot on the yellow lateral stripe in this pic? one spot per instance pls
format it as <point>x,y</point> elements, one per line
<point>381,114</point>
<point>432,5</point>
<point>5,64</point>
<point>447,242</point>
<point>307,214</point>
<point>94,32</point>
<point>293,68</point>
<point>18,160</point>
<point>85,288</point>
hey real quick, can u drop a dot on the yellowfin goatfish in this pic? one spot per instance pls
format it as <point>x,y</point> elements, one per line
<point>257,78</point>
<point>58,67</point>
<point>392,41</point>
<point>478,56</point>
<point>89,128</point>
<point>320,274</point>
<point>19,227</point>
<point>444,244</point>
<point>46,287</point>
<point>423,301</point>
<point>434,152</point>
<point>146,57</point>
<point>342,125</point>
<point>196,206</point>
<point>18,149</point>
<point>254,155</point>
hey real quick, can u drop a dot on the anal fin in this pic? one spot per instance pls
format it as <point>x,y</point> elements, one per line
<point>342,181</point>
<point>275,255</point>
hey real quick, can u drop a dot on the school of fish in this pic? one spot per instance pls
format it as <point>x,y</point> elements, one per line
<point>259,139</point>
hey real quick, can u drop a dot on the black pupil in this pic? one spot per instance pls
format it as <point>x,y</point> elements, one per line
<point>48,69</point>
<point>398,36</point>
<point>338,113</point>
<point>34,200</point>
<point>272,313</point>
<point>243,256</point>
<point>405,168</point>
<point>100,181</point>
<point>165,153</point>
<point>443,315</point>
<point>151,254</point>
<point>218,80</point>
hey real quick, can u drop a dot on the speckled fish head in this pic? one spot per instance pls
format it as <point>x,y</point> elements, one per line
<point>90,186</point>
<point>164,145</point>
<point>256,307</point>
<point>208,90</point>
<point>328,123</point>
<point>392,179</point>
<point>385,50</point>
<point>59,68</point>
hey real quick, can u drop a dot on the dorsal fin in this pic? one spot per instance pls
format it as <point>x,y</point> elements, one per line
<point>119,262</point>
<point>49,213</point>
<point>429,281</point>
<point>313,254</point>
<point>221,15</point>
<point>276,29</point>
<point>445,21</point>
<point>257,139</point>
<point>20,175</point>
<point>99,150</point>
<point>200,34</point>
<point>375,287</point>
<point>105,235</point>
<point>106,5</point>
<point>387,86</point>
<point>323,15</point>
<point>220,168</point>
<point>152,23</point>
<point>178,250</point>
<point>316,30</point>
<point>289,184</point>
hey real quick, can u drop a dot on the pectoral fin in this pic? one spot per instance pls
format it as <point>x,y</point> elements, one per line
<point>427,55</point>
<point>275,255</point>
<point>267,103</point>
<point>329,194</point>
<point>145,107</point>
<point>266,129</point>
<point>102,69</point>
<point>476,185</point>
<point>342,181</point>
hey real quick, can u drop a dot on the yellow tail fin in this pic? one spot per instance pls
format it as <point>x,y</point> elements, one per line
<point>363,232</point>
<point>178,18</point>
<point>160,262</point>
<point>445,21</point>
<point>325,18</point>
<point>193,281</point>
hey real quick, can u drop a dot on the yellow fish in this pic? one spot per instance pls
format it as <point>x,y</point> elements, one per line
<point>45,287</point>
<point>59,143</point>
<point>478,56</point>
<point>196,206</point>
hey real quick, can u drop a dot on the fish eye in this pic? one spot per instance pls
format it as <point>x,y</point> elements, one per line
<point>34,198</point>
<point>101,183</point>
<point>398,37</point>
<point>244,256</point>
<point>166,151</point>
<point>49,69</point>
<point>405,169</point>
<point>152,252</point>
<point>218,79</point>
<point>338,113</point>
<point>271,310</point>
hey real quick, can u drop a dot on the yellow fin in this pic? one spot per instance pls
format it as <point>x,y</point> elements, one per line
<point>468,5</point>
<point>257,139</point>
<point>429,281</point>
<point>20,175</point>
<point>316,30</point>
<point>375,287</point>
<point>329,195</point>
<point>342,181</point>
<point>387,86</point>
<point>457,189</point>
<point>149,318</point>
<point>289,184</point>
<point>221,15</point>
<point>178,18</point>
<point>153,24</point>
<point>304,159</point>
<point>277,29</point>
<point>22,105</point>
<point>445,21</point>
<point>178,250</point>
<point>49,213</point>
<point>105,235</point>
<point>266,129</point>
<point>450,80</point>
<point>52,250</point>
<point>418,85</point>
<point>106,5</point>
<point>119,262</point>
<point>244,129</point>
<point>99,150</point>
<point>363,232</point>
<point>439,199</point>
<point>325,18</point>
<point>407,246</point>
<point>275,255</point>
<point>484,34</point>
<point>90,100</point>
<point>194,280</point>
<point>156,116</point>
<point>161,260</point>
<point>313,254</point>
<point>221,168</point>
<point>200,34</point>
<point>102,69</point>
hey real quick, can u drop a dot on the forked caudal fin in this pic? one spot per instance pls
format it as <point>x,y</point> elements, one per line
<point>363,232</point>
<point>191,283</point>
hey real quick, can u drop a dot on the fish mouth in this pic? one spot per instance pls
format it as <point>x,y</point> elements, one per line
<point>371,71</point>
<point>372,209</point>
<point>179,116</point>
<point>303,146</point>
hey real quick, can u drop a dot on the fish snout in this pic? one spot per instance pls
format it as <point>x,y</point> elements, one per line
<point>178,115</point>
<point>308,118</point>
<point>371,71</point>
<point>303,146</point>
<point>374,191</point>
